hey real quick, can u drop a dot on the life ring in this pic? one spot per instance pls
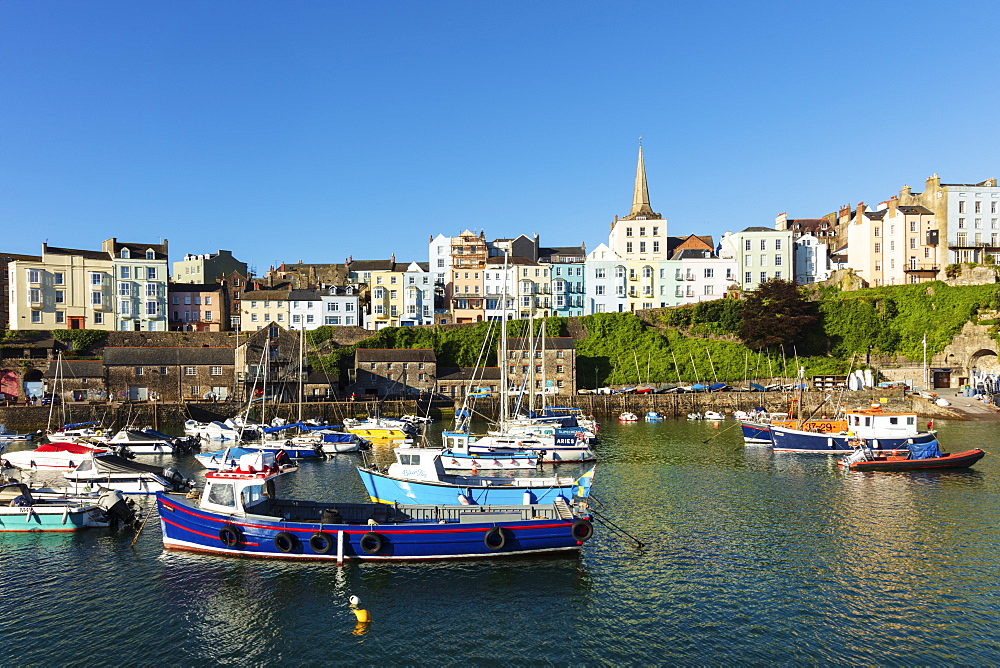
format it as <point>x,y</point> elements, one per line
<point>284,541</point>
<point>582,530</point>
<point>320,542</point>
<point>372,542</point>
<point>495,538</point>
<point>229,535</point>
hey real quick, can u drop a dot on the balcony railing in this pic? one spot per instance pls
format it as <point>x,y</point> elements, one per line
<point>910,268</point>
<point>987,245</point>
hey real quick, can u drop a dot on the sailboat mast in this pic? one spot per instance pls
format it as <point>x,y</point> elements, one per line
<point>545,367</point>
<point>531,359</point>
<point>302,360</point>
<point>55,386</point>
<point>504,361</point>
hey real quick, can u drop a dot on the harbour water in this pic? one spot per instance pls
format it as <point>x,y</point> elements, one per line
<point>750,557</point>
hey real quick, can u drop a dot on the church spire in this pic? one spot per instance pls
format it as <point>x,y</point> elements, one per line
<point>641,210</point>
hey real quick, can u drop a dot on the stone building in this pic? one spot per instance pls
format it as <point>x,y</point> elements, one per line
<point>169,374</point>
<point>384,372</point>
<point>457,382</point>
<point>77,381</point>
<point>207,267</point>
<point>549,366</point>
<point>269,364</point>
<point>197,307</point>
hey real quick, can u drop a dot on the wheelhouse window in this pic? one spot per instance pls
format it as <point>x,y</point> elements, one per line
<point>221,494</point>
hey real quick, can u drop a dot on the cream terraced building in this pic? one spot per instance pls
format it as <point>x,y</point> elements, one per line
<point>123,286</point>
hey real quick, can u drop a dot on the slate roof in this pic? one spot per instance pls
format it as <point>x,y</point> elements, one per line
<point>915,209</point>
<point>466,373</point>
<point>90,255</point>
<point>370,265</point>
<point>138,250</point>
<point>395,355</point>
<point>77,369</point>
<point>265,294</point>
<point>322,378</point>
<point>694,254</point>
<point>169,356</point>
<point>758,228</point>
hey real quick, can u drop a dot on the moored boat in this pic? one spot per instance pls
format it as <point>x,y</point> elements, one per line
<point>52,456</point>
<point>418,476</point>
<point>22,511</point>
<point>628,417</point>
<point>239,514</point>
<point>456,455</point>
<point>920,457</point>
<point>7,436</point>
<point>141,443</point>
<point>117,473</point>
<point>653,416</point>
<point>878,430</point>
<point>380,429</point>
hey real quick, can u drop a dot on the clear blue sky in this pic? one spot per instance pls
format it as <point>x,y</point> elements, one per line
<point>316,130</point>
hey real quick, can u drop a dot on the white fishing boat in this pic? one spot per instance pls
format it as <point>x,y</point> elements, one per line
<point>113,472</point>
<point>141,443</point>
<point>52,456</point>
<point>455,455</point>
<point>212,431</point>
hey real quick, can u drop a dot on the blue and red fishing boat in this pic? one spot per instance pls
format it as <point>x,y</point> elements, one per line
<point>878,430</point>
<point>239,514</point>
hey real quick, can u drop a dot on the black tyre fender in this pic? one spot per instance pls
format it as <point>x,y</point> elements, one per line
<point>372,542</point>
<point>321,542</point>
<point>496,538</point>
<point>230,536</point>
<point>285,542</point>
<point>582,530</point>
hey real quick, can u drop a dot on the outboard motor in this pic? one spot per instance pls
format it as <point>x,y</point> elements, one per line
<point>174,476</point>
<point>118,509</point>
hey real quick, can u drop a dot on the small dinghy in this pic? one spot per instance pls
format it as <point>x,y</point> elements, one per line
<point>628,417</point>
<point>921,457</point>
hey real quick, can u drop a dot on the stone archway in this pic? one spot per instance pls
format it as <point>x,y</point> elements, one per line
<point>985,360</point>
<point>34,385</point>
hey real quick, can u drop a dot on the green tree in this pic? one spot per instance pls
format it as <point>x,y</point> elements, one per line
<point>776,314</point>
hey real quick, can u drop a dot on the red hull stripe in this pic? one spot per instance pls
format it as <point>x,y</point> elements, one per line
<point>206,535</point>
<point>356,531</point>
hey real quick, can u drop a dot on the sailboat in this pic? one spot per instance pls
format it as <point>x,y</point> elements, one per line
<point>553,443</point>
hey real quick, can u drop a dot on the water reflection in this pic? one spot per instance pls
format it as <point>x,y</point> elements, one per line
<point>750,557</point>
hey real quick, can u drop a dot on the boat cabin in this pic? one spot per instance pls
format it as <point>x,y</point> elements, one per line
<point>240,489</point>
<point>417,463</point>
<point>873,422</point>
<point>15,494</point>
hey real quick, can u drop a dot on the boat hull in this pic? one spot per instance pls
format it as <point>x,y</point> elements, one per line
<point>791,440</point>
<point>384,489</point>
<point>961,460</point>
<point>186,527</point>
<point>756,433</point>
<point>55,519</point>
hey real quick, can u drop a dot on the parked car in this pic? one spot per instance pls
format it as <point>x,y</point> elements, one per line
<point>50,398</point>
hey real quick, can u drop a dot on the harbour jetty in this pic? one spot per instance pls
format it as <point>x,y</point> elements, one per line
<point>600,405</point>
